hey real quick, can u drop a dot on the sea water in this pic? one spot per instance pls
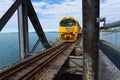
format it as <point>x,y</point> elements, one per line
<point>9,46</point>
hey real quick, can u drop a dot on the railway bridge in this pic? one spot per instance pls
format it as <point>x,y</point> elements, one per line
<point>89,58</point>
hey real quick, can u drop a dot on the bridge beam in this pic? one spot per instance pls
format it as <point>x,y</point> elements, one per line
<point>4,19</point>
<point>90,38</point>
<point>37,26</point>
<point>25,10</point>
<point>111,25</point>
<point>23,31</point>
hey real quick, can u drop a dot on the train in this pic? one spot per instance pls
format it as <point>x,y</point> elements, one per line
<point>69,29</point>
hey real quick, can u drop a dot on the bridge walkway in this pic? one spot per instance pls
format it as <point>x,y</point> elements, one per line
<point>107,70</point>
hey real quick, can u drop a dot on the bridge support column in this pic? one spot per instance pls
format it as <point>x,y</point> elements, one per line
<point>90,38</point>
<point>23,31</point>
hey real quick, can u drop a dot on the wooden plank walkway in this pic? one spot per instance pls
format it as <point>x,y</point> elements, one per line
<point>107,70</point>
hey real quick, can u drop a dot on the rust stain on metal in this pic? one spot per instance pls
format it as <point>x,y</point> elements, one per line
<point>90,38</point>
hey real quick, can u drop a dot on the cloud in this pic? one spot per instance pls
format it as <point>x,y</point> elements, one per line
<point>12,24</point>
<point>65,7</point>
<point>111,10</point>
<point>50,12</point>
<point>4,6</point>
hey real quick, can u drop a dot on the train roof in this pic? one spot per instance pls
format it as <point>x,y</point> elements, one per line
<point>70,17</point>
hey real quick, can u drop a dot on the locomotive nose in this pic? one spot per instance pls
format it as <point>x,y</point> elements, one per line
<point>67,37</point>
<point>67,29</point>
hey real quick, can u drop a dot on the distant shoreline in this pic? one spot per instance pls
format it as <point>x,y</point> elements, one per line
<point>29,32</point>
<point>110,30</point>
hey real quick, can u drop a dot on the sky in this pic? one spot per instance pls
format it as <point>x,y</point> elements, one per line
<point>50,12</point>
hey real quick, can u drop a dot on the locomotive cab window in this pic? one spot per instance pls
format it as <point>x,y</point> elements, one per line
<point>68,22</point>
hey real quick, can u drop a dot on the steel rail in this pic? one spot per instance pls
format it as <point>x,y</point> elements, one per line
<point>27,62</point>
<point>37,64</point>
<point>45,63</point>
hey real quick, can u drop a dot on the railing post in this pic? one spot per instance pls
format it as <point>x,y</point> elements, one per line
<point>90,38</point>
<point>23,31</point>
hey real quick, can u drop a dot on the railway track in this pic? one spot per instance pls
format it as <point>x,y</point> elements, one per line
<point>33,67</point>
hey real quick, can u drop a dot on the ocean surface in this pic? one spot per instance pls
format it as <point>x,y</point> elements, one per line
<point>9,46</point>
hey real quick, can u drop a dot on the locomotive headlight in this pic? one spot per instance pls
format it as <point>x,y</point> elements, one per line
<point>73,32</point>
<point>67,29</point>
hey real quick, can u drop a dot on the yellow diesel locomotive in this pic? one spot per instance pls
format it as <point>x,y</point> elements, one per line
<point>69,29</point>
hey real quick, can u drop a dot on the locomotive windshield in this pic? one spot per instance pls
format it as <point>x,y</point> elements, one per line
<point>68,22</point>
